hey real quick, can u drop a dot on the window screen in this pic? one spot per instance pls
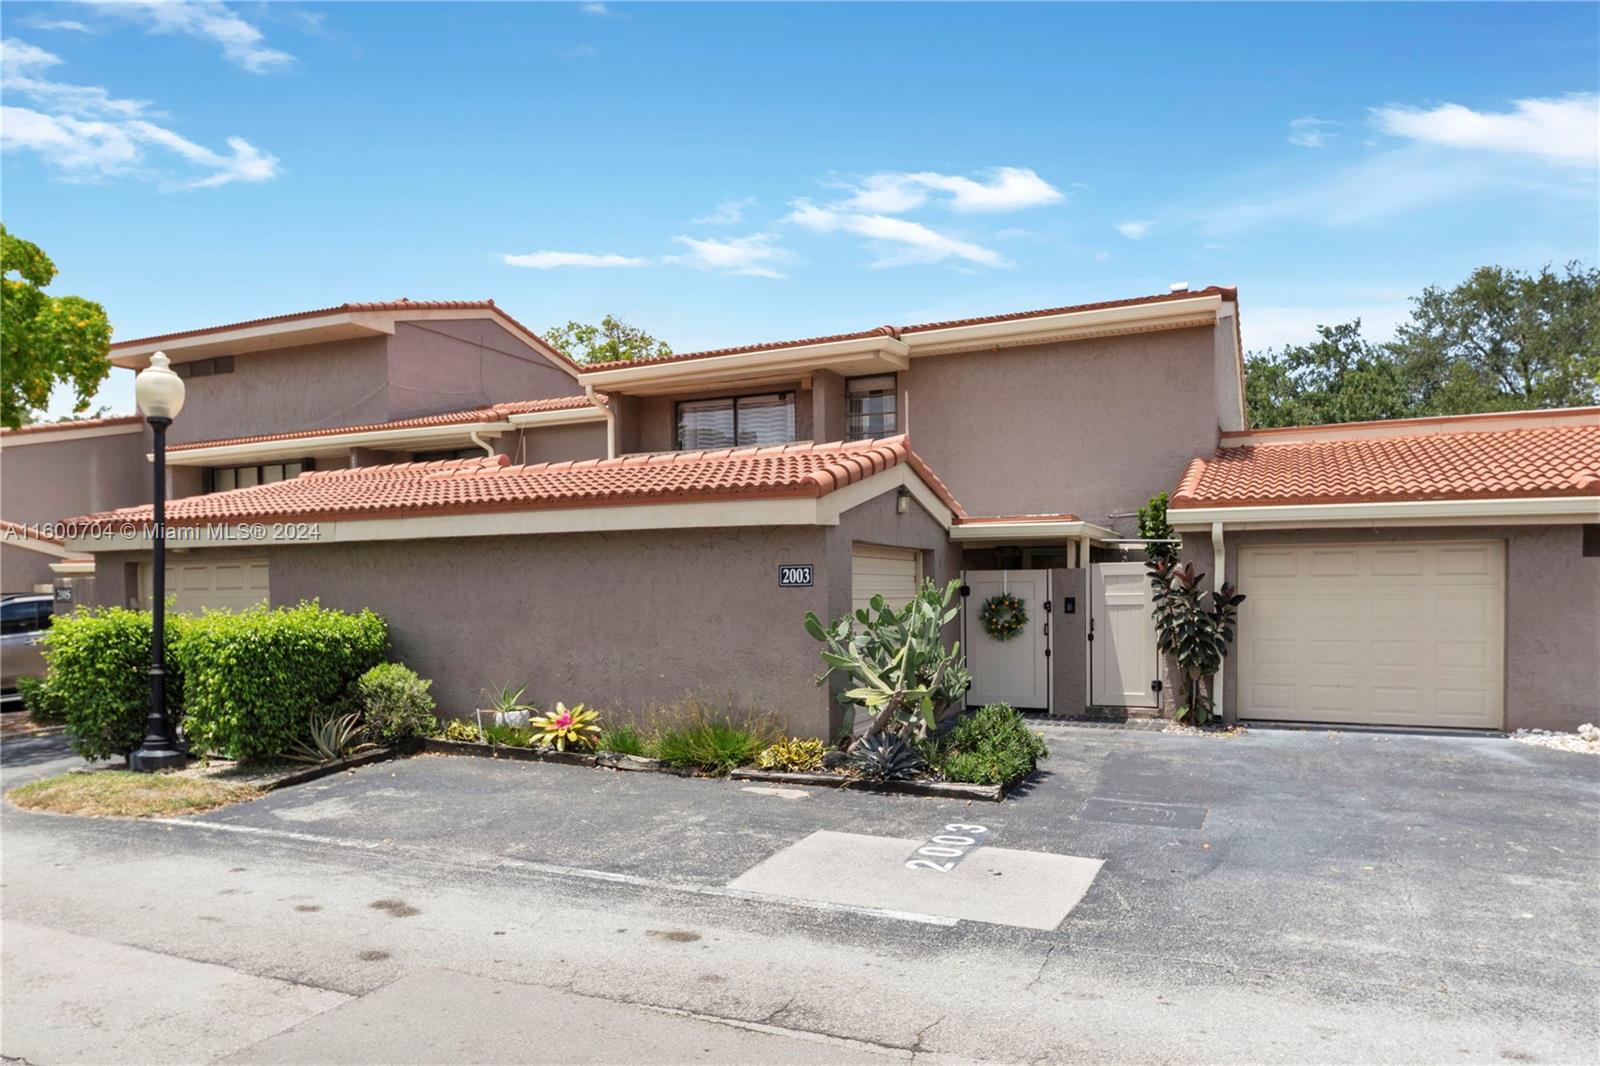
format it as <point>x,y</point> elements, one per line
<point>765,419</point>
<point>872,407</point>
<point>724,423</point>
<point>705,424</point>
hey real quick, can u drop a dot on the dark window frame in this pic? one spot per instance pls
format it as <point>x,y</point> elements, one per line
<point>783,394</point>
<point>210,481</point>
<point>204,368</point>
<point>894,392</point>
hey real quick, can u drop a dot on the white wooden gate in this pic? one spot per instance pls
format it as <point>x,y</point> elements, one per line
<point>1122,657</point>
<point>1014,671</point>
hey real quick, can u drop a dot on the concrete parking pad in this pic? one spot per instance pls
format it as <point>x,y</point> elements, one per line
<point>1028,889</point>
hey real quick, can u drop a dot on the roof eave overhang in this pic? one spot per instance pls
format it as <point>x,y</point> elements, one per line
<point>862,355</point>
<point>335,443</point>
<point>563,417</point>
<point>977,534</point>
<point>57,436</point>
<point>1071,325</point>
<point>1518,511</point>
<point>335,326</point>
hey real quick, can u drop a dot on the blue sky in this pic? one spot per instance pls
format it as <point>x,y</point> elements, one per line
<point>722,174</point>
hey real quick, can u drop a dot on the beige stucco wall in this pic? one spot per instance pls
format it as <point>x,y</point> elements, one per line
<point>451,364</point>
<point>22,568</point>
<point>1087,427</point>
<point>55,479</point>
<point>556,444</point>
<point>1552,613</point>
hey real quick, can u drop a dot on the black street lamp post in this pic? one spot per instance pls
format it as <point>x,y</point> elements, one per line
<point>160,394</point>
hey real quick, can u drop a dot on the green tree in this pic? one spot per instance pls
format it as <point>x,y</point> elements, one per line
<point>45,340</point>
<point>1504,340</point>
<point>1501,340</point>
<point>613,340</point>
<point>1340,377</point>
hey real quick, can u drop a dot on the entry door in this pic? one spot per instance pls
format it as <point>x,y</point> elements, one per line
<point>1122,657</point>
<point>1015,671</point>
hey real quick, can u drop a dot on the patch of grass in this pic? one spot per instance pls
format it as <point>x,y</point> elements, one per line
<point>510,736</point>
<point>709,736</point>
<point>625,739</point>
<point>123,794</point>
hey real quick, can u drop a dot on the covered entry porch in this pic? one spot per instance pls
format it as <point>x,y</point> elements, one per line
<point>1086,639</point>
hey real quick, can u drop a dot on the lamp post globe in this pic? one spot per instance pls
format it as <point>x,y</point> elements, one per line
<point>159,392</point>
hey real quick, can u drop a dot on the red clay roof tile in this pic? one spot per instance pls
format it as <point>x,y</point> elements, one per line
<point>1543,461</point>
<point>491,483</point>
<point>82,423</point>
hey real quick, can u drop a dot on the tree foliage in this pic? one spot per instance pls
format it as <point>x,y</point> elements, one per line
<point>1500,341</point>
<point>613,340</point>
<point>45,340</point>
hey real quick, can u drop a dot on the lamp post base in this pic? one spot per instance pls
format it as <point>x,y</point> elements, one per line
<point>146,760</point>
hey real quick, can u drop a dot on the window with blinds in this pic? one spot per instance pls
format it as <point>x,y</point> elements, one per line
<point>871,410</point>
<point>734,421</point>
<point>225,478</point>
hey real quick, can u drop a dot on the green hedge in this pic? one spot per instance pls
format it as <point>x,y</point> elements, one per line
<point>253,680</point>
<point>99,671</point>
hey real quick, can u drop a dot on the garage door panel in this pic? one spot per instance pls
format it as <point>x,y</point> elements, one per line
<point>1408,634</point>
<point>194,586</point>
<point>892,573</point>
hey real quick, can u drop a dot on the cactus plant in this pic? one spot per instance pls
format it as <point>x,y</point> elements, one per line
<point>902,672</point>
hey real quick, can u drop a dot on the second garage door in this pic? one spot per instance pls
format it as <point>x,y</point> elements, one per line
<point>892,573</point>
<point>1379,634</point>
<point>194,584</point>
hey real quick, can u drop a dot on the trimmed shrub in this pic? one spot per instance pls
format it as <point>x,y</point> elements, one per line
<point>253,680</point>
<point>395,704</point>
<point>99,666</point>
<point>991,746</point>
<point>41,702</point>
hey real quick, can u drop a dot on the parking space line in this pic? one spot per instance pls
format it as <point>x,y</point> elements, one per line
<point>502,862</point>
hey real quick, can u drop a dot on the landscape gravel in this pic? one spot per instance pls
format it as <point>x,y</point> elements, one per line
<point>1586,740</point>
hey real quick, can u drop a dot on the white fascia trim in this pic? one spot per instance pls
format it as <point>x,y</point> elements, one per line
<point>53,436</point>
<point>832,506</point>
<point>293,446</point>
<point>1169,314</point>
<point>1417,513</point>
<point>890,352</point>
<point>73,566</point>
<point>370,323</point>
<point>1025,532</point>
<point>564,417</point>
<point>1442,425</point>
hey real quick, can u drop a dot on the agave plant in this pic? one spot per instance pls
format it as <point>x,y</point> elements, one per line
<point>882,757</point>
<point>560,727</point>
<point>505,707</point>
<point>331,738</point>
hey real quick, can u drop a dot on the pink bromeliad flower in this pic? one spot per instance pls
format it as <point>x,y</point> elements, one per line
<point>562,720</point>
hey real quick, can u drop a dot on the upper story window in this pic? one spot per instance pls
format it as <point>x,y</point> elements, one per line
<point>736,420</point>
<point>449,453</point>
<point>871,409</point>
<point>223,478</point>
<point>204,368</point>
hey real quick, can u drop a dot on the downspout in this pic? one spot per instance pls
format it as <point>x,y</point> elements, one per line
<point>488,449</point>
<point>1219,557</point>
<point>611,420</point>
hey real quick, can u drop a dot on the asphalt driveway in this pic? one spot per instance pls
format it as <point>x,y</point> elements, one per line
<point>1275,896</point>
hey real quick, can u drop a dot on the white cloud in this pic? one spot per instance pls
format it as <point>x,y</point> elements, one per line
<point>1135,229</point>
<point>1561,129</point>
<point>242,43</point>
<point>746,256</point>
<point>587,260</point>
<point>728,213</point>
<point>908,241</point>
<point>89,135</point>
<point>594,9</point>
<point>39,22</point>
<point>1008,189</point>
<point>1310,132</point>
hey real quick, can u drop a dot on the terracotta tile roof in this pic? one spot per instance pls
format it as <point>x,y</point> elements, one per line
<point>1227,293</point>
<point>978,520</point>
<point>82,423</point>
<point>498,412</point>
<point>1491,464</point>
<point>492,484</point>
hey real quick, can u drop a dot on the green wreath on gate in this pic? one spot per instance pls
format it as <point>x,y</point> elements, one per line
<point>1002,616</point>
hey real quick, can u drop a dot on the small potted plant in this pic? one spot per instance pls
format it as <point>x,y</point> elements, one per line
<point>505,708</point>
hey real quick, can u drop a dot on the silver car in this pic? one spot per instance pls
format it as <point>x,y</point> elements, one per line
<point>24,616</point>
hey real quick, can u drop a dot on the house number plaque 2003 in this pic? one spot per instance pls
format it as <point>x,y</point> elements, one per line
<point>794,576</point>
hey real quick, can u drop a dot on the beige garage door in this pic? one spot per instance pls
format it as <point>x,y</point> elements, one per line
<point>195,584</point>
<point>1381,634</point>
<point>892,573</point>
